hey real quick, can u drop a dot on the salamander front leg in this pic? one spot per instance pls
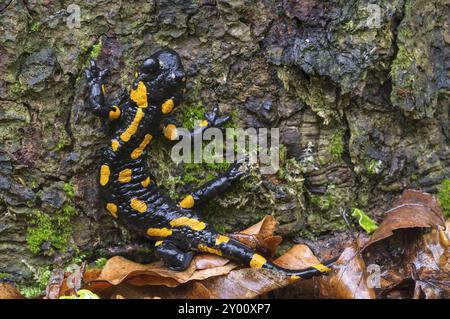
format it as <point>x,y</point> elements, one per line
<point>174,257</point>
<point>97,101</point>
<point>216,186</point>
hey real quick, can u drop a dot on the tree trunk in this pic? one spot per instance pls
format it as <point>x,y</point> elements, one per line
<point>359,92</point>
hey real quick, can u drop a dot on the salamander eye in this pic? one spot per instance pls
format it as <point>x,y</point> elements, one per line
<point>150,66</point>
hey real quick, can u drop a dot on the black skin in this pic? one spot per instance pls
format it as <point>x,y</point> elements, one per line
<point>164,78</point>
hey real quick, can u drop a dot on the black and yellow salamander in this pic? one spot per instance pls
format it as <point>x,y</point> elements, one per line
<point>129,192</point>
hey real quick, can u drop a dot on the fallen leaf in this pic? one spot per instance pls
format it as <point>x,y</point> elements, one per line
<point>190,290</point>
<point>208,276</point>
<point>261,236</point>
<point>349,279</point>
<point>119,269</point>
<point>410,248</point>
<point>252,283</point>
<point>413,210</point>
<point>430,265</point>
<point>9,291</point>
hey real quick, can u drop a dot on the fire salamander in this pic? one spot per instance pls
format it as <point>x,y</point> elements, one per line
<point>128,190</point>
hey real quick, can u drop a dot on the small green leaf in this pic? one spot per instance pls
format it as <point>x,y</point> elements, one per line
<point>368,224</point>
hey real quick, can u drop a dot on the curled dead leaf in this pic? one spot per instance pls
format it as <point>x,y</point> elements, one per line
<point>349,279</point>
<point>261,236</point>
<point>413,210</point>
<point>411,249</point>
<point>119,269</point>
<point>9,291</point>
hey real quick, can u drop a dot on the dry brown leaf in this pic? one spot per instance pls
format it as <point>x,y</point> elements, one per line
<point>261,236</point>
<point>431,265</point>
<point>9,291</point>
<point>412,263</point>
<point>348,280</point>
<point>119,269</point>
<point>208,276</point>
<point>240,283</point>
<point>190,290</point>
<point>205,261</point>
<point>413,210</point>
<point>298,257</point>
<point>251,283</point>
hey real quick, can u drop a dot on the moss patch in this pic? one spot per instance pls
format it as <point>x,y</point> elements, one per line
<point>96,49</point>
<point>374,167</point>
<point>68,189</point>
<point>190,114</point>
<point>36,288</point>
<point>337,145</point>
<point>100,262</point>
<point>54,229</point>
<point>444,196</point>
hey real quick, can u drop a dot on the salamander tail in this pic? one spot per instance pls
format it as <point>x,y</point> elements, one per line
<point>240,252</point>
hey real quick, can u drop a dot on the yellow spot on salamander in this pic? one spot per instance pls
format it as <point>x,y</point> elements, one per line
<point>204,123</point>
<point>138,205</point>
<point>103,89</point>
<point>146,182</point>
<point>138,151</point>
<point>114,114</point>
<point>188,222</point>
<point>187,202</point>
<point>112,208</point>
<point>167,106</point>
<point>114,145</point>
<point>171,132</point>
<point>159,232</point>
<point>125,175</point>
<point>221,239</point>
<point>210,250</point>
<point>131,130</point>
<point>295,277</point>
<point>257,261</point>
<point>159,242</point>
<point>139,96</point>
<point>321,268</point>
<point>104,175</point>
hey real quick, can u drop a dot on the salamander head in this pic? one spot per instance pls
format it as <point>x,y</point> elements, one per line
<point>163,75</point>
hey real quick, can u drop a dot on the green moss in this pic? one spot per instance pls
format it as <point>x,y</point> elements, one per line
<point>4,275</point>
<point>325,213</point>
<point>337,145</point>
<point>444,196</point>
<point>30,291</point>
<point>68,189</point>
<point>100,262</point>
<point>53,229</point>
<point>38,286</point>
<point>374,167</point>
<point>16,88</point>
<point>78,259</point>
<point>36,26</point>
<point>190,114</point>
<point>96,50</point>
<point>400,68</point>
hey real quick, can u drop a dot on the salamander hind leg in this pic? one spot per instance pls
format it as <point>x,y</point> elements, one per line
<point>173,256</point>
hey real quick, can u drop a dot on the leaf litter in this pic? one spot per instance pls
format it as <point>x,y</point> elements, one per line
<point>407,256</point>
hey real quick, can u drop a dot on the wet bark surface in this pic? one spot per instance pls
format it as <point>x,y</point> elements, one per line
<point>358,90</point>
